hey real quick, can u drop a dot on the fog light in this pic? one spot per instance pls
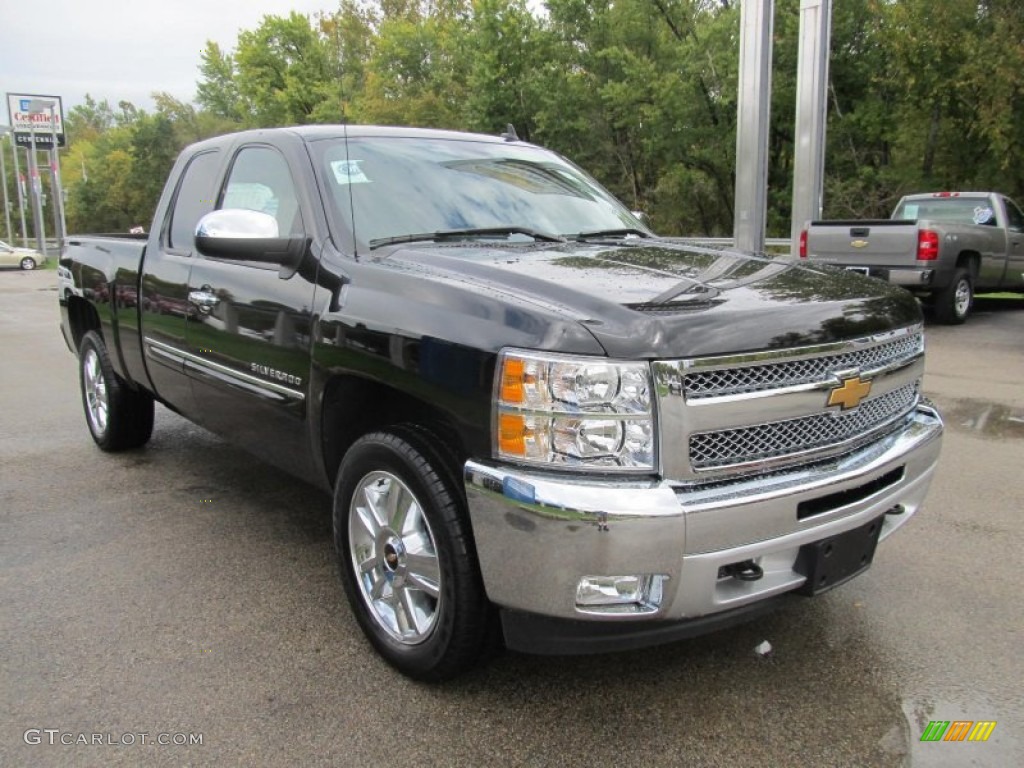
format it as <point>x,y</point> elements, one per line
<point>641,592</point>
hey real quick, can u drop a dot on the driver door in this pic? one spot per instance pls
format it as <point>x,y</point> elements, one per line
<point>249,343</point>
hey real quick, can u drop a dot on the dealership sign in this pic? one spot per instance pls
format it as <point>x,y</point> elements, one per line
<point>31,114</point>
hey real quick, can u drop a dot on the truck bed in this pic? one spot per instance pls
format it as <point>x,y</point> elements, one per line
<point>105,268</point>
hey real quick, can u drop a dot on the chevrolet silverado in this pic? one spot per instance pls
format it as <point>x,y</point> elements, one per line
<point>539,422</point>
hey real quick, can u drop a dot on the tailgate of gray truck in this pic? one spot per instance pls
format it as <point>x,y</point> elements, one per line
<point>866,243</point>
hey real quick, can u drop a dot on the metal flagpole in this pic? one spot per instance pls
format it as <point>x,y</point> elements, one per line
<point>755,87</point>
<point>21,195</point>
<point>58,187</point>
<point>811,115</point>
<point>36,187</point>
<point>4,130</point>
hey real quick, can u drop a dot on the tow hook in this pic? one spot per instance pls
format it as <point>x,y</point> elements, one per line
<point>748,570</point>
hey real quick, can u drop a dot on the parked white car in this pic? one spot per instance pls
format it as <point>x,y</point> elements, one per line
<point>26,258</point>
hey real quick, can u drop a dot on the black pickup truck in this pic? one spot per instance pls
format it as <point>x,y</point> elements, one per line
<point>539,422</point>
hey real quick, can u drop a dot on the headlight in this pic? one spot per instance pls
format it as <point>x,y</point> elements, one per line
<point>578,412</point>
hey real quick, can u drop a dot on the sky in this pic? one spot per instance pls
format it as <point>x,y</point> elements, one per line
<point>117,50</point>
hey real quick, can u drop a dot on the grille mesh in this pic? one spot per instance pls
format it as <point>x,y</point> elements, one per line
<point>732,381</point>
<point>709,450</point>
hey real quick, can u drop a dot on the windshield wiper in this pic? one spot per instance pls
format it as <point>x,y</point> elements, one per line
<point>599,233</point>
<point>457,234</point>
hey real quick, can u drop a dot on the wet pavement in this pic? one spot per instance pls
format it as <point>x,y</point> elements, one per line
<point>187,589</point>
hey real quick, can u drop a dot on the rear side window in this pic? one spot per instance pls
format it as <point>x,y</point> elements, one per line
<point>1014,218</point>
<point>195,199</point>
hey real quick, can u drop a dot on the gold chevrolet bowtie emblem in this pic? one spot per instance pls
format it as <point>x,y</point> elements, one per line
<point>849,393</point>
<point>859,243</point>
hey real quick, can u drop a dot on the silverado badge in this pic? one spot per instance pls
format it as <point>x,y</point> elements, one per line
<point>858,243</point>
<point>850,393</point>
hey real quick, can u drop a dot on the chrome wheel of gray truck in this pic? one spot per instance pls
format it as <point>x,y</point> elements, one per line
<point>402,543</point>
<point>953,303</point>
<point>119,418</point>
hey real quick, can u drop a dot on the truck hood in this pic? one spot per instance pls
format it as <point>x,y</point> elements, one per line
<point>654,298</point>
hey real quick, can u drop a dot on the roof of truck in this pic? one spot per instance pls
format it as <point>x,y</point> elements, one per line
<point>325,132</point>
<point>934,195</point>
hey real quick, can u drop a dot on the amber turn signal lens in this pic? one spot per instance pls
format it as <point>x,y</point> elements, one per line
<point>512,434</point>
<point>512,374</point>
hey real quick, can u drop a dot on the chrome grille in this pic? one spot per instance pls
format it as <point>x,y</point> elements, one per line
<point>732,381</point>
<point>711,450</point>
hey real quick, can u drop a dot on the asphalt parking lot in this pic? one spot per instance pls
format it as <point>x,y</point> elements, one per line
<point>188,591</point>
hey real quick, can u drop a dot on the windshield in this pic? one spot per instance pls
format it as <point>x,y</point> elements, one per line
<point>399,187</point>
<point>956,210</point>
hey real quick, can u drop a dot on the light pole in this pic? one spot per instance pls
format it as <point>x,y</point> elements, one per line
<point>38,107</point>
<point>17,186</point>
<point>4,130</point>
<point>752,123</point>
<point>56,170</point>
<point>35,184</point>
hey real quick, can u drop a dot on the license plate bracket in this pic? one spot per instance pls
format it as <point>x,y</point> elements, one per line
<point>860,270</point>
<point>837,559</point>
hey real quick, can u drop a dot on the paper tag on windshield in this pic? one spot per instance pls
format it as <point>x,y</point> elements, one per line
<point>348,172</point>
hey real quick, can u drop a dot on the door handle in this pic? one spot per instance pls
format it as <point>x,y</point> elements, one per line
<point>205,299</point>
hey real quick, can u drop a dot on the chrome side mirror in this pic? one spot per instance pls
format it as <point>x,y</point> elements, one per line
<point>644,218</point>
<point>237,223</point>
<point>237,234</point>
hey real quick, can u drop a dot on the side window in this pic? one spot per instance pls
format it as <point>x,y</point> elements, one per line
<point>1014,218</point>
<point>194,200</point>
<point>260,181</point>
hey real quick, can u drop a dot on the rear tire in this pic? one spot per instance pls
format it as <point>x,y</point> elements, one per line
<point>28,263</point>
<point>118,417</point>
<point>406,555</point>
<point>953,303</point>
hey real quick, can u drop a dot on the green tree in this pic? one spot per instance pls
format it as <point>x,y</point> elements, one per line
<point>505,50</point>
<point>101,200</point>
<point>642,93</point>
<point>284,74</point>
<point>992,75</point>
<point>153,151</point>
<point>217,89</point>
<point>418,69</point>
<point>88,120</point>
<point>350,38</point>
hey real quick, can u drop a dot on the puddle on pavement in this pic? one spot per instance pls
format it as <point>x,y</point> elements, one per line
<point>983,418</point>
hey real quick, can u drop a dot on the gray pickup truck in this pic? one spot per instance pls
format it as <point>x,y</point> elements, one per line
<point>942,246</point>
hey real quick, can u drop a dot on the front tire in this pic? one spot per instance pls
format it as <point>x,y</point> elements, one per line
<point>28,263</point>
<point>406,555</point>
<point>119,418</point>
<point>953,303</point>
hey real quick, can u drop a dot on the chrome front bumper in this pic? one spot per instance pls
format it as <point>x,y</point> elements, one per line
<point>538,534</point>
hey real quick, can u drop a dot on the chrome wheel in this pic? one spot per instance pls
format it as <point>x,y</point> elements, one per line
<point>119,415</point>
<point>962,298</point>
<point>28,263</point>
<point>394,557</point>
<point>96,403</point>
